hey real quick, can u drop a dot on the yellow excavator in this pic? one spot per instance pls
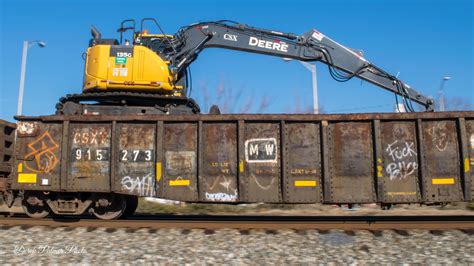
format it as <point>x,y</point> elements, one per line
<point>149,74</point>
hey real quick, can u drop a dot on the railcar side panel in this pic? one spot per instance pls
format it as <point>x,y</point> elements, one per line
<point>135,172</point>
<point>399,162</point>
<point>442,181</point>
<point>179,165</point>
<point>89,151</point>
<point>38,153</point>
<point>351,164</point>
<point>386,158</point>
<point>218,164</point>
<point>302,163</point>
<point>469,160</point>
<point>260,179</point>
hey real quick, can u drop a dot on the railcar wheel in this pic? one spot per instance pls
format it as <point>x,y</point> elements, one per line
<point>34,206</point>
<point>132,204</point>
<point>109,206</point>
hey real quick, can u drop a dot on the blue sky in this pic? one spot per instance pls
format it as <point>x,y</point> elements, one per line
<point>423,40</point>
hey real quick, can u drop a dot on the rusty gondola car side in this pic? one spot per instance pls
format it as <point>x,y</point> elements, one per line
<point>354,158</point>
<point>7,141</point>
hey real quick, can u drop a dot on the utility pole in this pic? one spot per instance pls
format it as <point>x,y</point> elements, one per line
<point>21,89</point>
<point>314,79</point>
<point>441,93</point>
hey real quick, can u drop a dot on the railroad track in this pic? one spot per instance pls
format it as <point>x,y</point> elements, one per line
<point>254,222</point>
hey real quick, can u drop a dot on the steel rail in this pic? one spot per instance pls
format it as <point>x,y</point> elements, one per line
<point>257,222</point>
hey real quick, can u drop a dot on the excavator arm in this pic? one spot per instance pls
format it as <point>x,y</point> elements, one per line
<point>344,63</point>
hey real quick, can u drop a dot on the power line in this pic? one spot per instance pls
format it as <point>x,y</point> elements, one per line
<point>359,108</point>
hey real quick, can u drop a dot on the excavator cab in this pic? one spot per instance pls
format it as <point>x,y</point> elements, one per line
<point>136,65</point>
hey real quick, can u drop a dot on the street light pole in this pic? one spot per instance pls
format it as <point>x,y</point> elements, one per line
<point>441,93</point>
<point>314,79</point>
<point>21,89</point>
<point>22,78</point>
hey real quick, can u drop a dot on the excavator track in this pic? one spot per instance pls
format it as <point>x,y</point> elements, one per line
<point>119,102</point>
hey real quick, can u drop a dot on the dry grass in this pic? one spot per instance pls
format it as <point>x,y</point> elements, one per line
<point>145,206</point>
<point>470,206</point>
<point>301,209</point>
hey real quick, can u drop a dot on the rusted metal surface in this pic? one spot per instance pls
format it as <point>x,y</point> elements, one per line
<point>398,166</point>
<point>302,163</point>
<point>351,160</point>
<point>136,171</point>
<point>218,168</point>
<point>386,158</point>
<point>255,117</point>
<point>38,149</point>
<point>90,153</point>
<point>179,169</point>
<point>260,178</point>
<point>7,136</point>
<point>442,163</point>
<point>469,160</point>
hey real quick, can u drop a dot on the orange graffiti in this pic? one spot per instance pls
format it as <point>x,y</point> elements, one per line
<point>42,149</point>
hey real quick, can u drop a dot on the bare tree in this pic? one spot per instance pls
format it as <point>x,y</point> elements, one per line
<point>264,104</point>
<point>299,108</point>
<point>229,100</point>
<point>457,104</point>
<point>202,96</point>
<point>247,106</point>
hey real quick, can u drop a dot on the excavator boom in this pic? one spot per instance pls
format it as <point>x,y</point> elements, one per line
<point>344,63</point>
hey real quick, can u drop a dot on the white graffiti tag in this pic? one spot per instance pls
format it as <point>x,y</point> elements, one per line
<point>398,153</point>
<point>439,136</point>
<point>403,158</point>
<point>142,186</point>
<point>221,196</point>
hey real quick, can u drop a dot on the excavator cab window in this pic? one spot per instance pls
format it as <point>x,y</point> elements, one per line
<point>159,43</point>
<point>156,43</point>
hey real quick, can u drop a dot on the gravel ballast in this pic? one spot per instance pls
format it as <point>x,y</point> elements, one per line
<point>97,245</point>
